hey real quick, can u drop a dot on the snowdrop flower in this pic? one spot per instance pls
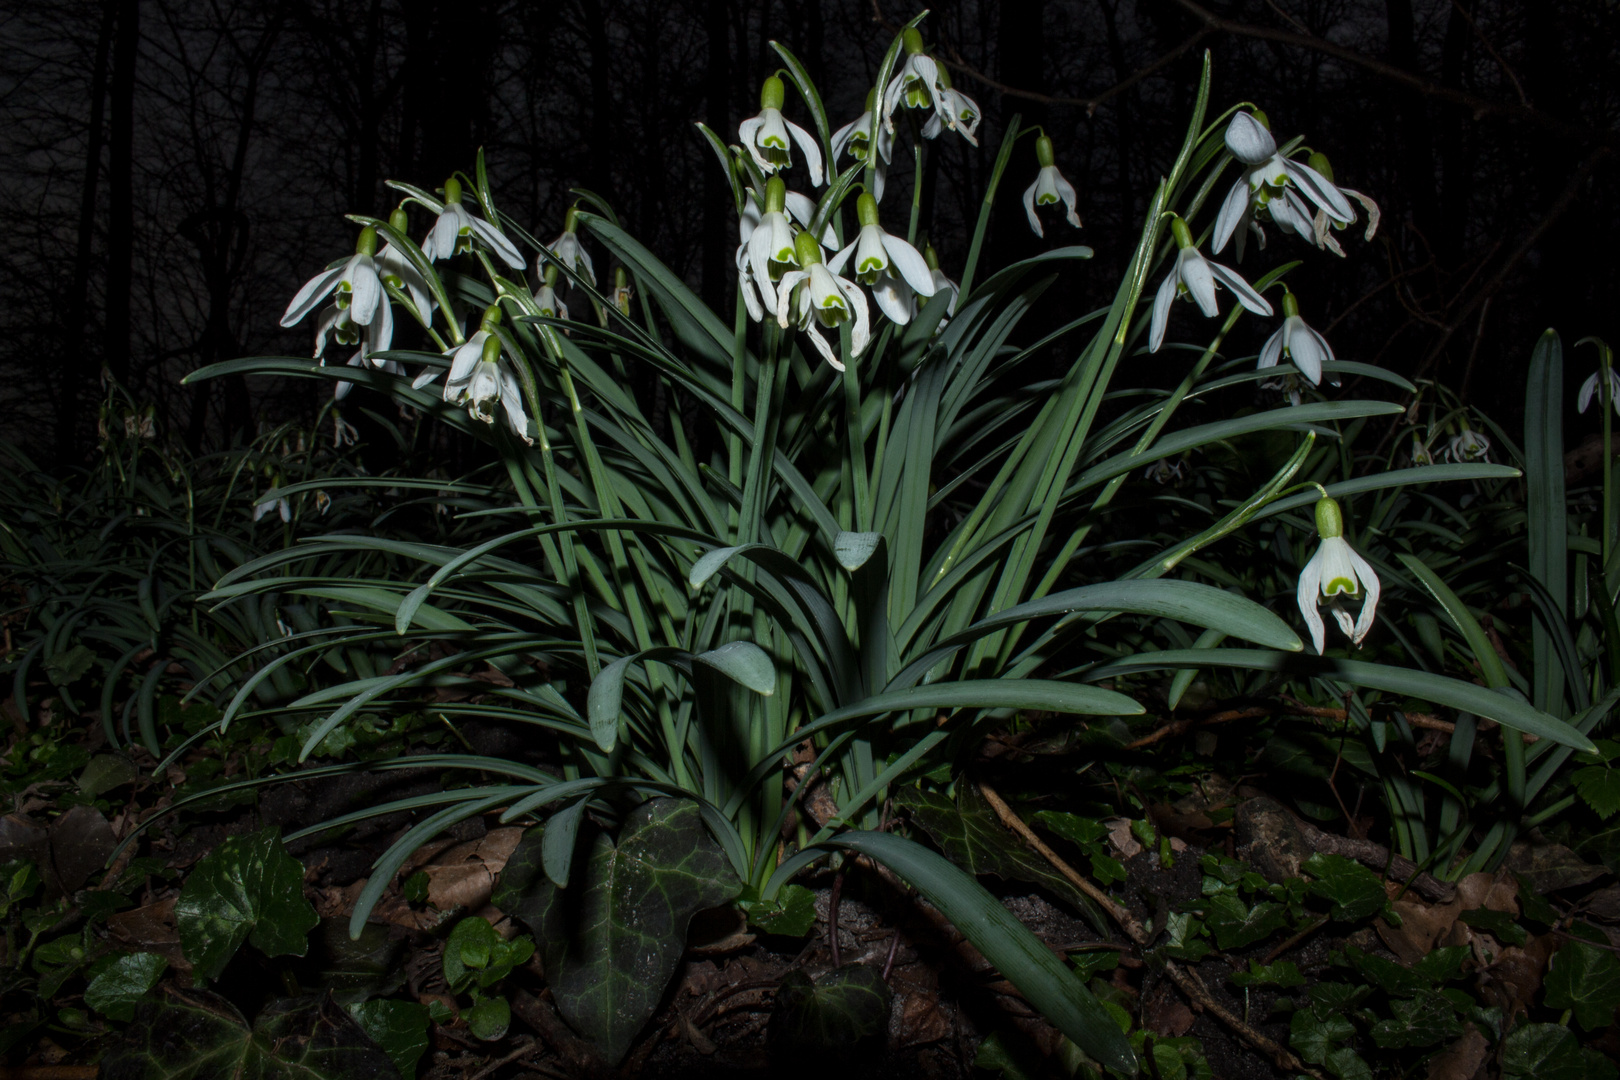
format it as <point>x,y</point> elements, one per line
<point>766,136</point>
<point>272,501</point>
<point>567,250</point>
<point>1590,389</point>
<point>401,275</point>
<point>1166,470</point>
<point>455,229</point>
<point>545,297</point>
<point>856,137</point>
<point>814,294</point>
<point>1195,277</point>
<point>1288,384</point>
<point>770,245</point>
<point>1420,453</point>
<point>480,379</point>
<point>1468,446</point>
<point>1271,182</point>
<point>1323,225</point>
<point>955,110</point>
<point>621,293</point>
<point>357,287</point>
<point>1338,574</point>
<point>916,84</point>
<point>941,281</point>
<point>1048,188</point>
<point>1298,342</point>
<point>892,268</point>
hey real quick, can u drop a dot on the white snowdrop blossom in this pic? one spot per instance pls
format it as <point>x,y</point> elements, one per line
<point>768,137</point>
<point>1337,574</point>
<point>767,250</point>
<point>1273,183</point>
<point>455,229</point>
<point>270,502</point>
<point>567,250</point>
<point>1049,187</point>
<point>856,138</point>
<point>955,110</point>
<point>1323,225</point>
<point>355,287</point>
<point>1195,277</point>
<point>814,294</point>
<point>921,83</point>
<point>941,282</point>
<point>1591,389</point>
<point>399,273</point>
<point>1421,452</point>
<point>1288,384</point>
<point>1468,446</point>
<point>481,378</point>
<point>892,268</point>
<point>1298,342</point>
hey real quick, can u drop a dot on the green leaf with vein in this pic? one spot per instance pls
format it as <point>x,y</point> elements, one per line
<point>1236,925</point>
<point>1551,1052</point>
<point>1354,891</point>
<point>612,940</point>
<point>119,986</point>
<point>967,831</point>
<point>838,1016</point>
<point>247,889</point>
<point>399,1027</point>
<point>197,1035</point>
<point>1585,979</point>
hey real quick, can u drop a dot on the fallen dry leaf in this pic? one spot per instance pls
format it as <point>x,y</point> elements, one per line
<point>1119,834</point>
<point>1551,867</point>
<point>1513,980</point>
<point>1462,1059</point>
<point>1422,924</point>
<point>150,929</point>
<point>1490,891</point>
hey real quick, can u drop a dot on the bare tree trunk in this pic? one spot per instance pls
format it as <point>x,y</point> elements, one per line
<point>120,192</point>
<point>79,370</point>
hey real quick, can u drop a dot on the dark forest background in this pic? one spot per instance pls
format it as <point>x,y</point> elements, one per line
<point>172,170</point>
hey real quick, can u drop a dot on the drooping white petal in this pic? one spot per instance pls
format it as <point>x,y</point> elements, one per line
<point>1231,216</point>
<point>497,241</point>
<point>425,378</point>
<point>1161,310</point>
<point>382,330</point>
<point>1249,142</point>
<point>846,134</point>
<point>364,288</point>
<point>871,256</point>
<point>827,352</point>
<point>1029,208</point>
<point>1066,192</point>
<point>310,296</point>
<point>784,295</point>
<point>1241,289</point>
<point>747,133</point>
<point>1271,351</point>
<point>1369,606</point>
<point>512,402</point>
<point>910,264</point>
<point>811,150</point>
<point>1196,273</point>
<point>861,333</point>
<point>465,358</point>
<point>893,298</point>
<point>1588,389</point>
<point>943,282</point>
<point>759,261</point>
<point>836,263</point>
<point>1307,595</point>
<point>446,232</point>
<point>1320,189</point>
<point>1309,351</point>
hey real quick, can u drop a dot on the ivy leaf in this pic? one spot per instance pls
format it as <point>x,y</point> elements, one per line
<point>1420,1021</point>
<point>1600,787</point>
<point>120,985</point>
<point>840,1015</point>
<point>969,834</point>
<point>1284,973</point>
<point>1354,891</point>
<point>1550,1052</point>
<point>791,914</point>
<point>1536,908</point>
<point>476,956</point>
<point>1314,1039</point>
<point>1387,975</point>
<point>1237,925</point>
<point>489,1018</point>
<point>1333,998</point>
<point>68,667</point>
<point>399,1027</point>
<point>1585,979</point>
<point>247,889</point>
<point>1346,1064</point>
<point>197,1035</point>
<point>612,940</point>
<point>1499,924</point>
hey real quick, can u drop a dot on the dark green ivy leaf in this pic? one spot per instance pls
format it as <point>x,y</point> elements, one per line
<point>1420,1021</point>
<point>399,1027</point>
<point>120,985</point>
<point>1354,891</point>
<point>1499,924</point>
<point>838,1017</point>
<point>791,914</point>
<point>1600,787</point>
<point>1550,1052</point>
<point>1237,925</point>
<point>612,940</point>
<point>196,1035</point>
<point>247,889</point>
<point>1284,973</point>
<point>1586,979</point>
<point>488,1018</point>
<point>1314,1039</point>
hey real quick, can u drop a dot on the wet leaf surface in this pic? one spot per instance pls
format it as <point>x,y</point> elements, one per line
<point>247,889</point>
<point>836,1017</point>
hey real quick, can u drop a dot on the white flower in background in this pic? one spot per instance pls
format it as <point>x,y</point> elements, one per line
<point>619,296</point>
<point>1323,226</point>
<point>356,288</point>
<point>892,268</point>
<point>856,137</point>
<point>1166,470</point>
<point>1470,445</point>
<point>768,137</point>
<point>359,359</point>
<point>1421,452</point>
<point>1337,574</point>
<point>1298,342</point>
<point>400,274</point>
<point>546,300</point>
<point>1289,384</point>
<point>455,229</point>
<point>814,294</point>
<point>1272,182</point>
<point>567,250</point>
<point>916,85</point>
<point>1048,188</point>
<point>272,501</point>
<point>767,244</point>
<point>955,110</point>
<point>481,378</point>
<point>1195,277</point>
<point>1591,389</point>
<point>941,282</point>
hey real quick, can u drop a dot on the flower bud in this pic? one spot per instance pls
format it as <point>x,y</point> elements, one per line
<point>771,93</point>
<point>367,244</point>
<point>912,41</point>
<point>399,220</point>
<point>452,190</point>
<point>491,319</point>
<point>807,249</point>
<point>1179,230</point>
<point>930,257</point>
<point>1043,152</point>
<point>1329,519</point>
<point>866,209</point>
<point>775,195</point>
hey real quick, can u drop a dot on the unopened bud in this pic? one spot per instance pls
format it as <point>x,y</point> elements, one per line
<point>912,41</point>
<point>866,209</point>
<point>367,244</point>
<point>807,249</point>
<point>399,220</point>
<point>1043,152</point>
<point>452,190</point>
<point>771,94</point>
<point>1329,519</point>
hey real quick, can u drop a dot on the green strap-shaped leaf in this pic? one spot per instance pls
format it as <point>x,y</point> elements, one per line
<point>1044,980</point>
<point>1545,511</point>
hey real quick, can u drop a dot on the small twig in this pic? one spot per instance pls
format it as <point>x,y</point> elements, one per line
<point>490,1069</point>
<point>832,917</point>
<point>894,951</point>
<point>1310,928</point>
